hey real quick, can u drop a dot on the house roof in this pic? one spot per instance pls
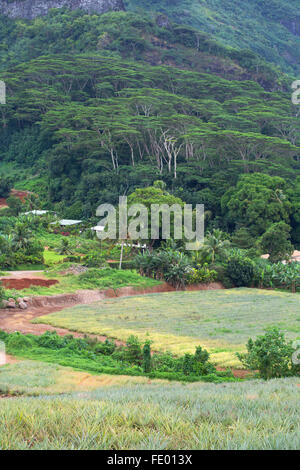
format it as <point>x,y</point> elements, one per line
<point>295,256</point>
<point>66,222</point>
<point>35,212</point>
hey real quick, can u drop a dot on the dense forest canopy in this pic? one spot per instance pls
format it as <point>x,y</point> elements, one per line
<point>98,106</point>
<point>269,28</point>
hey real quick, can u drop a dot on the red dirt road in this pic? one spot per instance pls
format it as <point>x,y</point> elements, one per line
<point>20,320</point>
<point>12,320</point>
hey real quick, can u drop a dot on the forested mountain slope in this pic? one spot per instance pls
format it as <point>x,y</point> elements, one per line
<point>269,28</point>
<point>100,105</point>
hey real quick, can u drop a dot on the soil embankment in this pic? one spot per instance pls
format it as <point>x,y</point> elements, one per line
<point>20,320</point>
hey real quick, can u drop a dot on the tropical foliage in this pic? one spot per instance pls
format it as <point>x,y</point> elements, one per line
<point>120,101</point>
<point>271,354</point>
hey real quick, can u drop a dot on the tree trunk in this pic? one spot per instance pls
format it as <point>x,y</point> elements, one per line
<point>121,255</point>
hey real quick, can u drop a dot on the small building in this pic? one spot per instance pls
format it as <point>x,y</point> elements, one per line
<point>294,258</point>
<point>67,222</point>
<point>35,212</point>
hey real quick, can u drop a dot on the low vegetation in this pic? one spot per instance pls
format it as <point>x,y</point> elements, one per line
<point>271,354</point>
<point>133,359</point>
<point>92,279</point>
<point>34,378</point>
<point>220,320</point>
<point>237,416</point>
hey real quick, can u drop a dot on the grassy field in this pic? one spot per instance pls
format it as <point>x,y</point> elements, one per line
<point>52,257</point>
<point>249,415</point>
<point>32,378</point>
<point>93,279</point>
<point>222,321</point>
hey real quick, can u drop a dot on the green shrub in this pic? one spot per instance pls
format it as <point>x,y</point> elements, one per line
<point>51,340</point>
<point>94,259</point>
<point>221,275</point>
<point>147,356</point>
<point>93,356</point>
<point>107,348</point>
<point>5,186</point>
<point>72,259</point>
<point>133,351</point>
<point>168,264</point>
<point>240,270</point>
<point>201,275</point>
<point>18,341</point>
<point>270,354</point>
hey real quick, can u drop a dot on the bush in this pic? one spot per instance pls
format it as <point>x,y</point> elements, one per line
<point>240,270</point>
<point>18,341</point>
<point>133,351</point>
<point>147,357</point>
<point>72,259</point>
<point>94,260</point>
<point>201,275</point>
<point>169,265</point>
<point>7,261</point>
<point>280,275</point>
<point>64,248</point>
<point>89,354</point>
<point>5,186</point>
<point>51,340</point>
<point>276,242</point>
<point>221,275</point>
<point>270,354</point>
<point>107,348</point>
<point>21,258</point>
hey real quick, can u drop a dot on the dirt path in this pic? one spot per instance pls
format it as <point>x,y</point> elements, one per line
<point>20,320</point>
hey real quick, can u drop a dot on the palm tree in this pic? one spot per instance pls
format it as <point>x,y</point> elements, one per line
<point>215,243</point>
<point>21,236</point>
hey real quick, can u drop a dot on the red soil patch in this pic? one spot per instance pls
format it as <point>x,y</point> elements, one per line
<point>14,192</point>
<point>160,288</point>
<point>238,373</point>
<point>20,320</point>
<point>24,283</point>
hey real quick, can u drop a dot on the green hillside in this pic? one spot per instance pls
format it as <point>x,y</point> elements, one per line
<point>271,29</point>
<point>100,105</point>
